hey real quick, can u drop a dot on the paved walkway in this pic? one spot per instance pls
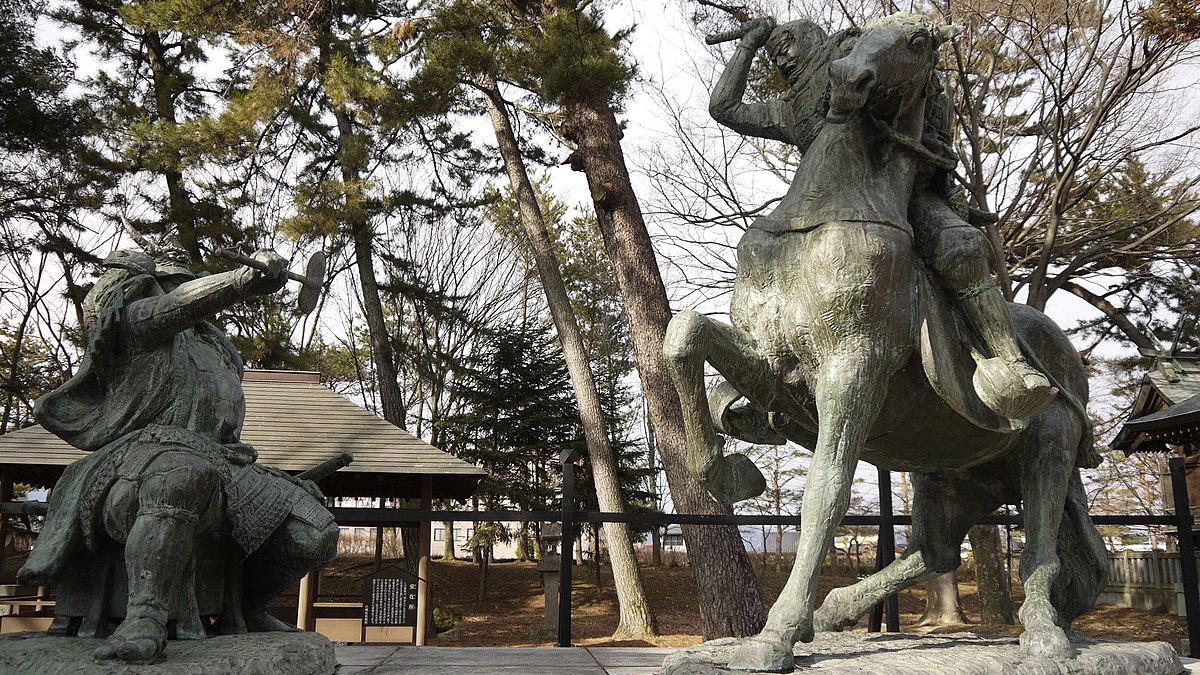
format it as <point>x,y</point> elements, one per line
<point>382,660</point>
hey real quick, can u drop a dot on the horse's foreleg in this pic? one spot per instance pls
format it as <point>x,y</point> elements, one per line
<point>691,340</point>
<point>850,389</point>
<point>944,508</point>
<point>1047,466</point>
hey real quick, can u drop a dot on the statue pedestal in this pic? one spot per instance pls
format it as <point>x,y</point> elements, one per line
<point>249,654</point>
<point>956,654</point>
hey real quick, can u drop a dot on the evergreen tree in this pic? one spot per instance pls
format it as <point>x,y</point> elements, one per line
<point>158,126</point>
<point>519,415</point>
<point>573,70</point>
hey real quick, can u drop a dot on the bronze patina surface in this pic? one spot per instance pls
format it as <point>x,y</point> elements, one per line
<point>168,526</point>
<point>846,298</point>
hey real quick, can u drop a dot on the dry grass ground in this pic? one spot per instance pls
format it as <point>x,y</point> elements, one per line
<point>510,615</point>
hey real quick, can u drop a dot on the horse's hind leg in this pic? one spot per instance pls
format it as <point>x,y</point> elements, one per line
<point>1047,466</point>
<point>691,340</point>
<point>944,508</point>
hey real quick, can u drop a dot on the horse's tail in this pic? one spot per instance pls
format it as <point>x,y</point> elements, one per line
<point>1082,556</point>
<point>1086,456</point>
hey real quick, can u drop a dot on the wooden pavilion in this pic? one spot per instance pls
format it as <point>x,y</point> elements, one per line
<point>295,423</point>
<point>1166,420</point>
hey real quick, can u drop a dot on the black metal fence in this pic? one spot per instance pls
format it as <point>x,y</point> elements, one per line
<point>887,612</point>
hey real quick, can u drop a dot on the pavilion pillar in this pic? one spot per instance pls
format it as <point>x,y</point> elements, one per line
<point>6,495</point>
<point>424,540</point>
<point>379,540</point>
<point>304,605</point>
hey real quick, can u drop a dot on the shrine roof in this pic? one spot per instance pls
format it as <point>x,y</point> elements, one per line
<point>1167,409</point>
<point>295,423</point>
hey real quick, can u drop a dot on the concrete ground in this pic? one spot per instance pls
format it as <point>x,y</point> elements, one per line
<point>390,660</point>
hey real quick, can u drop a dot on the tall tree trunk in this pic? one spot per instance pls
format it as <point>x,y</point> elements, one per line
<point>483,574</point>
<point>636,620</point>
<point>387,377</point>
<point>596,557</point>
<point>995,600</point>
<point>941,602</point>
<point>448,540</point>
<point>523,543</point>
<point>387,380</point>
<point>180,211</point>
<point>730,600</point>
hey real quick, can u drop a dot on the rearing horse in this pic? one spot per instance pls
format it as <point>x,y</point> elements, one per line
<point>826,346</point>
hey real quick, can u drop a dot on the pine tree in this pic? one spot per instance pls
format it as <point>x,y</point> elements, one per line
<point>460,55</point>
<point>157,119</point>
<point>577,70</point>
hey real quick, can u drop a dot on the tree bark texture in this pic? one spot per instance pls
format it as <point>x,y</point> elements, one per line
<point>448,540</point>
<point>391,400</point>
<point>941,602</point>
<point>636,618</point>
<point>730,601</point>
<point>995,600</point>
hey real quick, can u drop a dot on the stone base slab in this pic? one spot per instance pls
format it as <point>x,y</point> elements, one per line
<point>248,654</point>
<point>957,654</point>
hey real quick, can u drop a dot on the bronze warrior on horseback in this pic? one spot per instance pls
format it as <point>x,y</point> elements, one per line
<point>956,253</point>
<point>842,340</point>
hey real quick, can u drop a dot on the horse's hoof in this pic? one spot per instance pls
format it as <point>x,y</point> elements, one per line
<point>1047,643</point>
<point>734,478</point>
<point>134,651</point>
<point>764,656</point>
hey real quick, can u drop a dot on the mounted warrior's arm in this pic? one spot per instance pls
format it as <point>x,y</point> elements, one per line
<point>158,318</point>
<point>764,120</point>
<point>774,119</point>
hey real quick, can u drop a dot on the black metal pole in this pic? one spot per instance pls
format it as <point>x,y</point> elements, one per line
<point>875,622</point>
<point>885,554</point>
<point>567,547</point>
<point>1187,554</point>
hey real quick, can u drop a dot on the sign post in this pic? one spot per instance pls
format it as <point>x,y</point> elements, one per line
<point>390,599</point>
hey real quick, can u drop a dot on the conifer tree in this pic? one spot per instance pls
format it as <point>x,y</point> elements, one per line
<point>575,72</point>
<point>518,416</point>
<point>467,49</point>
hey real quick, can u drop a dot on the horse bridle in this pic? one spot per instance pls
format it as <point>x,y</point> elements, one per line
<point>928,89</point>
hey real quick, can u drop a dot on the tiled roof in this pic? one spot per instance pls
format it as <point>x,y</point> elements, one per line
<point>295,423</point>
<point>1178,413</point>
<point>1167,408</point>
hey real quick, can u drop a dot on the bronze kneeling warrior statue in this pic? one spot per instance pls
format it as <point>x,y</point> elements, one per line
<point>158,404</point>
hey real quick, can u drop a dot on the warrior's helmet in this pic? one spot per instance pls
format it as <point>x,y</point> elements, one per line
<point>161,257</point>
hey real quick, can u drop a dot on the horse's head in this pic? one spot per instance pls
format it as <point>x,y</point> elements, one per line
<point>887,67</point>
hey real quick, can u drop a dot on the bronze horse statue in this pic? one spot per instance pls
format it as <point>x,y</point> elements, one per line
<point>842,343</point>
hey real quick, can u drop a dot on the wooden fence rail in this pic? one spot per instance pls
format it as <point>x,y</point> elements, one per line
<point>1150,580</point>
